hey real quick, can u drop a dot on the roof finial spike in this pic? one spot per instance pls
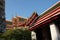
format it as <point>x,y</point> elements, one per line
<point>35,12</point>
<point>12,15</point>
<point>16,14</point>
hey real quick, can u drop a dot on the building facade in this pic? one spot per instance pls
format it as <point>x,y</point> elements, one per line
<point>32,19</point>
<point>47,26</point>
<point>2,16</point>
<point>16,22</point>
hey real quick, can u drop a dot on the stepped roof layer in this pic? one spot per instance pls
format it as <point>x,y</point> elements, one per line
<point>46,15</point>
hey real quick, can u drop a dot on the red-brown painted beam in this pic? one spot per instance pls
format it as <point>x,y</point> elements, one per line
<point>33,27</point>
<point>49,14</point>
<point>40,25</point>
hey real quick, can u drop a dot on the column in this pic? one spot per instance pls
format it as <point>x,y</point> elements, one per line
<point>54,32</point>
<point>33,35</point>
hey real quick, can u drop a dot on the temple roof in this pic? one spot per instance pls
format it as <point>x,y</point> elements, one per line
<point>50,9</point>
<point>8,22</point>
<point>47,15</point>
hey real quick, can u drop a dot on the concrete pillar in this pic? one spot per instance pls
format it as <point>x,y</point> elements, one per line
<point>54,32</point>
<point>33,35</point>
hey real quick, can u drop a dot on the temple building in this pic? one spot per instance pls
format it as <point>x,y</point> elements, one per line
<point>16,22</point>
<point>9,25</point>
<point>43,27</point>
<point>47,25</point>
<point>2,16</point>
<point>32,19</point>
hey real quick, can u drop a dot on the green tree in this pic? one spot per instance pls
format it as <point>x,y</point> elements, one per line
<point>17,34</point>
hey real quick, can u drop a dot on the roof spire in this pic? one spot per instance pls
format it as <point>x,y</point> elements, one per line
<point>16,14</point>
<point>35,12</point>
<point>12,15</point>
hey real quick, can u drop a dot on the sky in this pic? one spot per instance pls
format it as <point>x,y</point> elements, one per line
<point>25,8</point>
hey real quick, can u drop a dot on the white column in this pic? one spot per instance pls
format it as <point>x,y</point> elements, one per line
<point>54,32</point>
<point>33,35</point>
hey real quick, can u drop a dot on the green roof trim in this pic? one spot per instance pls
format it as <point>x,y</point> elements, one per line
<point>22,19</point>
<point>57,5</point>
<point>9,23</point>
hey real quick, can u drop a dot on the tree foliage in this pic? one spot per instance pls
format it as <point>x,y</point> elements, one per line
<point>17,34</point>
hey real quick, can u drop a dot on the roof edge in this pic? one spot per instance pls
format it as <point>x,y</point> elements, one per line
<point>50,7</point>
